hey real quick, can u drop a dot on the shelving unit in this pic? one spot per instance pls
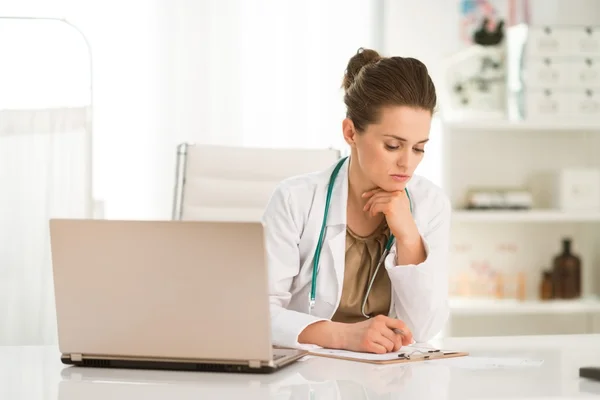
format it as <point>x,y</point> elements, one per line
<point>465,307</point>
<point>525,216</point>
<point>521,154</point>
<point>497,125</point>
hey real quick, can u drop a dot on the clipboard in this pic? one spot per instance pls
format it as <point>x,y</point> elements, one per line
<point>406,354</point>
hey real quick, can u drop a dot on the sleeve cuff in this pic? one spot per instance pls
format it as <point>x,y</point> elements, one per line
<point>391,260</point>
<point>287,326</point>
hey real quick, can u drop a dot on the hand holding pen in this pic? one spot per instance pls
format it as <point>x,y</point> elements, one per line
<point>380,335</point>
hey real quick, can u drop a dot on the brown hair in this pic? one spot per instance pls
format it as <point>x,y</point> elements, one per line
<point>372,82</point>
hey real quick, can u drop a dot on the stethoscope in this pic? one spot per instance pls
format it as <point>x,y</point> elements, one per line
<point>317,256</point>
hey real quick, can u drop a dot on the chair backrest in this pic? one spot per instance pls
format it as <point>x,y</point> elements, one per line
<point>223,183</point>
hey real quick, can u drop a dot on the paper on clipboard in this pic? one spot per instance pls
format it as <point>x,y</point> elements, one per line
<point>403,353</point>
<point>440,357</point>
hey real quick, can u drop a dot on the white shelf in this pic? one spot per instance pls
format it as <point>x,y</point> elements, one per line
<point>524,216</point>
<point>535,125</point>
<point>460,306</point>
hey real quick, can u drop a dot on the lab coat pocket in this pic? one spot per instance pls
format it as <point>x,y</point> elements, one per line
<point>324,305</point>
<point>324,308</point>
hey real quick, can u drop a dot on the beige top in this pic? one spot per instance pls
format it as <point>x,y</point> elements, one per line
<point>362,255</point>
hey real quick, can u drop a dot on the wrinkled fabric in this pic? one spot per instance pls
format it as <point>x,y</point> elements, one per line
<point>362,255</point>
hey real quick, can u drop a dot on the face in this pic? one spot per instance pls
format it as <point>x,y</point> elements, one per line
<point>389,151</point>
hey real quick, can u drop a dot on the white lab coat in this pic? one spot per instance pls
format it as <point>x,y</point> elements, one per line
<point>293,219</point>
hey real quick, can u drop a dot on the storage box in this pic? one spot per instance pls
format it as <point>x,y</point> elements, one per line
<point>546,41</point>
<point>575,104</point>
<point>585,73</point>
<point>562,41</point>
<point>585,41</point>
<point>546,104</point>
<point>549,72</point>
<point>562,73</point>
<point>578,189</point>
<point>585,104</point>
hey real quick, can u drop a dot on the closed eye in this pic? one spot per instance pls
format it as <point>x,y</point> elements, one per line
<point>391,148</point>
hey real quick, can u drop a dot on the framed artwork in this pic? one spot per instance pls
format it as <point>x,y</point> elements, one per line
<point>484,22</point>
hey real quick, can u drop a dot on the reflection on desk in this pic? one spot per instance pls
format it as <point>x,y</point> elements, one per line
<point>36,373</point>
<point>313,378</point>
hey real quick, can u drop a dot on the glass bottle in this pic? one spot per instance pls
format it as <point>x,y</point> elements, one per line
<point>546,289</point>
<point>566,273</point>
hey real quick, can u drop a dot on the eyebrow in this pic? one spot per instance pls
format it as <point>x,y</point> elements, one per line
<point>404,140</point>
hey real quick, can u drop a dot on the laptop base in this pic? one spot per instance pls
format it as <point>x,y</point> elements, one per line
<point>176,366</point>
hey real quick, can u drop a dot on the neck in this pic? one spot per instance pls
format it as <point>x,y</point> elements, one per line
<point>357,184</point>
<point>360,222</point>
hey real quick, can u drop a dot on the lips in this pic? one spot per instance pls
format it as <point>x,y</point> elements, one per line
<point>401,178</point>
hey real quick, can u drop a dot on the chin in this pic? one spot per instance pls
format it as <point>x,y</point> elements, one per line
<point>393,186</point>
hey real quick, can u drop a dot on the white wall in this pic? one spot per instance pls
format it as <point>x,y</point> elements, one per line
<point>425,29</point>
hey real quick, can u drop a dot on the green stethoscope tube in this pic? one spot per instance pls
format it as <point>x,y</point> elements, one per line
<point>317,256</point>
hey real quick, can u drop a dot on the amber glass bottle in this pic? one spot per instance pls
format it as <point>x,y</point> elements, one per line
<point>546,287</point>
<point>566,273</point>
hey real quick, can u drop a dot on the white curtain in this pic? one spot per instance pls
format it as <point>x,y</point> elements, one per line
<point>45,168</point>
<point>43,174</point>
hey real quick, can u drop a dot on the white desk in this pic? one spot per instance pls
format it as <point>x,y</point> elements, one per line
<point>36,373</point>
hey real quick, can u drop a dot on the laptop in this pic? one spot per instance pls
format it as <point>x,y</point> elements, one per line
<point>176,295</point>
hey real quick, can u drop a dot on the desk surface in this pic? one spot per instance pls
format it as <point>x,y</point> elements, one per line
<point>36,373</point>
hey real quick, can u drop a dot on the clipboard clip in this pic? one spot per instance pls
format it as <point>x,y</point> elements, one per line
<point>420,355</point>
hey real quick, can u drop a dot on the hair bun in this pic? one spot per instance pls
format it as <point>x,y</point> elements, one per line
<point>357,62</point>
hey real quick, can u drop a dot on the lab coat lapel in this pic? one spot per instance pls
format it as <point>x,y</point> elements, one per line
<point>336,225</point>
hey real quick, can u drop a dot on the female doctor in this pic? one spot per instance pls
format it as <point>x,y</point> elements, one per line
<point>357,253</point>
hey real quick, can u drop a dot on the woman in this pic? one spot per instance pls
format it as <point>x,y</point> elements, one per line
<point>389,103</point>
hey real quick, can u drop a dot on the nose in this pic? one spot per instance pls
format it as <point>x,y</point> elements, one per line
<point>404,158</point>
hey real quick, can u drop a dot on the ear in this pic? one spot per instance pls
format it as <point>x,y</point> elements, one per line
<point>349,131</point>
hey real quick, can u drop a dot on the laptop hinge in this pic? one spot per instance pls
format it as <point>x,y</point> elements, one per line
<point>76,357</point>
<point>254,364</point>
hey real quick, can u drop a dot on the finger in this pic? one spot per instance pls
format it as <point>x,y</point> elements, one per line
<point>380,207</point>
<point>400,327</point>
<point>375,198</point>
<point>379,340</point>
<point>368,204</point>
<point>406,339</point>
<point>371,192</point>
<point>385,342</point>
<point>387,206</point>
<point>396,338</point>
<point>368,194</point>
<point>376,348</point>
<point>376,194</point>
<point>400,341</point>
